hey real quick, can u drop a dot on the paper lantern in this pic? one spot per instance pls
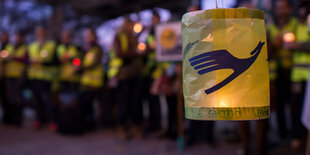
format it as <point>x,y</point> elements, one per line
<point>225,68</point>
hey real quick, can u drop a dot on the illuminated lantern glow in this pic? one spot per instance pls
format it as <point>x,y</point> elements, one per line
<point>76,62</point>
<point>289,37</point>
<point>4,54</point>
<point>137,28</point>
<point>141,47</point>
<point>44,53</point>
<point>225,67</point>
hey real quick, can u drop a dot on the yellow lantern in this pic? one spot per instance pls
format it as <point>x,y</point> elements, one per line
<point>225,68</point>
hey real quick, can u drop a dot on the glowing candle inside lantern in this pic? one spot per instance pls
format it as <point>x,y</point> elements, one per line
<point>224,103</point>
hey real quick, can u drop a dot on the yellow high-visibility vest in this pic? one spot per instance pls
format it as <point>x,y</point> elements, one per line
<point>150,39</point>
<point>284,56</point>
<point>15,69</point>
<point>42,54</point>
<point>92,77</point>
<point>160,69</point>
<point>124,42</point>
<point>272,70</point>
<point>114,64</point>
<point>8,49</point>
<point>67,72</point>
<point>301,59</point>
<point>150,60</point>
<point>5,51</point>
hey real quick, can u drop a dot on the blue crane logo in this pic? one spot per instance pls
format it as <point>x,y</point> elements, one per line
<point>222,59</point>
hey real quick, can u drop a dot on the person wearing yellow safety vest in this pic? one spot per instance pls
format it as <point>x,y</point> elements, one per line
<point>152,72</point>
<point>14,72</point>
<point>114,65</point>
<point>167,85</point>
<point>70,59</point>
<point>41,72</point>
<point>129,108</point>
<point>299,75</point>
<point>4,45</point>
<point>92,76</point>
<point>282,62</point>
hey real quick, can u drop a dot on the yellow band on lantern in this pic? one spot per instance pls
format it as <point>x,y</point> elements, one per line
<point>232,13</point>
<point>240,113</point>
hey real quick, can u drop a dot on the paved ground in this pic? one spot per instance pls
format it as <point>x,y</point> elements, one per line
<point>25,141</point>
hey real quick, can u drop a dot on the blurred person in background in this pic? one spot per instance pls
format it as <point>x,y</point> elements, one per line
<point>91,78</point>
<point>14,72</point>
<point>272,64</point>
<point>150,76</point>
<point>70,59</point>
<point>283,24</point>
<point>246,138</point>
<point>299,75</point>
<point>306,107</point>
<point>114,66</point>
<point>168,86</point>
<point>4,45</point>
<point>273,75</point>
<point>301,47</point>
<point>41,72</point>
<point>199,131</point>
<point>193,8</point>
<point>260,127</point>
<point>129,108</point>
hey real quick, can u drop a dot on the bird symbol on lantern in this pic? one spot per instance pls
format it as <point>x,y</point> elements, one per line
<point>222,59</point>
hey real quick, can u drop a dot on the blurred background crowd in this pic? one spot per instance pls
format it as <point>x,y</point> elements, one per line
<point>89,65</point>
